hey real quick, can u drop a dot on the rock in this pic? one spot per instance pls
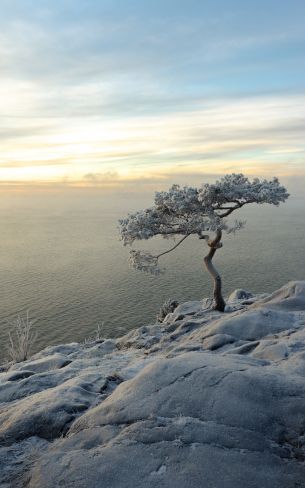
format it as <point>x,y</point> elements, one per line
<point>217,341</point>
<point>185,414</point>
<point>290,297</point>
<point>48,363</point>
<point>202,397</point>
<point>169,455</point>
<point>271,350</point>
<point>17,375</point>
<point>239,294</point>
<point>34,383</point>
<point>101,349</point>
<point>17,459</point>
<point>244,348</point>
<point>251,325</point>
<point>62,349</point>
<point>187,308</point>
<point>143,337</point>
<point>46,414</point>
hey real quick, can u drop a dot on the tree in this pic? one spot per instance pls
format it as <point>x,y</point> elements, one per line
<point>184,211</point>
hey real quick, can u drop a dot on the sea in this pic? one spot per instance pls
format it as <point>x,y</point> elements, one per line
<point>61,260</point>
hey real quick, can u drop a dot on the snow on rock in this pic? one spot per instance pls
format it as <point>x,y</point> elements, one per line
<point>17,459</point>
<point>187,308</point>
<point>289,297</point>
<point>55,361</point>
<point>217,341</point>
<point>239,294</point>
<point>65,349</point>
<point>251,325</point>
<point>47,413</point>
<point>201,396</point>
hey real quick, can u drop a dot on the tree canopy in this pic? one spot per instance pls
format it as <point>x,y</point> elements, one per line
<point>183,211</point>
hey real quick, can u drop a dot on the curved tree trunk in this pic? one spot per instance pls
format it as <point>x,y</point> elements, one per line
<point>219,303</point>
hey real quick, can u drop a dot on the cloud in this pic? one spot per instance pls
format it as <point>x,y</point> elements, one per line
<point>139,91</point>
<point>242,134</point>
<point>96,178</point>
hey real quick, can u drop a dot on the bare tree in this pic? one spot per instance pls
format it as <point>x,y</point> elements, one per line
<point>184,211</point>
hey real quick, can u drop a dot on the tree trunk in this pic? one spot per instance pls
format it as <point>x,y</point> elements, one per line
<point>219,303</point>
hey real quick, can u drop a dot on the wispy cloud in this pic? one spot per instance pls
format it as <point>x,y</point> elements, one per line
<point>240,133</point>
<point>137,89</point>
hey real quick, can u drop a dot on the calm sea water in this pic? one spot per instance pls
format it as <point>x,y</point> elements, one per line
<point>60,258</point>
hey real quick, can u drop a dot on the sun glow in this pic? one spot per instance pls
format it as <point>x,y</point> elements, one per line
<point>247,135</point>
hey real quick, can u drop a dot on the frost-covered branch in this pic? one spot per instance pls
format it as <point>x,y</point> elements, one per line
<point>147,262</point>
<point>172,248</point>
<point>144,261</point>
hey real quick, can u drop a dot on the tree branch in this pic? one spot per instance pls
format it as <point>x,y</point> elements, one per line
<point>170,232</point>
<point>228,212</point>
<point>172,248</point>
<point>231,209</point>
<point>220,207</point>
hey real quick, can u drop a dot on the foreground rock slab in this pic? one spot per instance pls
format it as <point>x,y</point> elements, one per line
<point>202,399</point>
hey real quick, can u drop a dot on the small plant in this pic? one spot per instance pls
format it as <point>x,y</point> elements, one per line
<point>96,337</point>
<point>167,307</point>
<point>22,339</point>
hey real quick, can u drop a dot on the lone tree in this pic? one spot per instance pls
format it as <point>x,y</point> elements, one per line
<point>183,211</point>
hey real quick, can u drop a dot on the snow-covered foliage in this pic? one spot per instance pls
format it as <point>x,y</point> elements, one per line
<point>144,261</point>
<point>182,211</point>
<point>238,189</point>
<point>168,307</point>
<point>172,214</point>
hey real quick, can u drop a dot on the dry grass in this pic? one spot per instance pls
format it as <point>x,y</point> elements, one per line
<point>21,339</point>
<point>96,336</point>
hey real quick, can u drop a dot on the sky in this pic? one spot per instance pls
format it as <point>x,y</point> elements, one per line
<point>128,93</point>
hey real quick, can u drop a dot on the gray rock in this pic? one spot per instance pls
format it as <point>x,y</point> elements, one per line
<point>251,325</point>
<point>271,350</point>
<point>34,383</point>
<point>177,420</point>
<point>187,308</point>
<point>17,375</point>
<point>100,348</point>
<point>41,365</point>
<point>63,349</point>
<point>170,455</point>
<point>46,414</point>
<point>17,459</point>
<point>239,294</point>
<point>204,397</point>
<point>290,297</point>
<point>244,348</point>
<point>217,341</point>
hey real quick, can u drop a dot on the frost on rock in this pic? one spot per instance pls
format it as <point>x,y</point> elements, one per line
<point>202,396</point>
<point>289,297</point>
<point>239,294</point>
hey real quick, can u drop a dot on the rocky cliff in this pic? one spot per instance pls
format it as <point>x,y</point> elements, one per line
<point>202,399</point>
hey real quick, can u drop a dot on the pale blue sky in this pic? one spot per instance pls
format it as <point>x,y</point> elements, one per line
<point>107,91</point>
